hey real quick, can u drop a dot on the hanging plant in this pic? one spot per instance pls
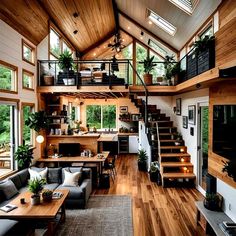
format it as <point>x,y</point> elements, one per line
<point>230,168</point>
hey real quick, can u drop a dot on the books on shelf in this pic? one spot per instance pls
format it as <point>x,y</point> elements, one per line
<point>8,207</point>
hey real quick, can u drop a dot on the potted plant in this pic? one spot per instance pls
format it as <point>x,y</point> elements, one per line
<point>203,43</point>
<point>47,195</point>
<point>48,79</point>
<point>169,64</point>
<point>35,186</point>
<point>154,171</point>
<point>24,156</point>
<point>142,160</point>
<point>148,65</point>
<point>37,121</point>
<point>212,202</point>
<point>230,168</point>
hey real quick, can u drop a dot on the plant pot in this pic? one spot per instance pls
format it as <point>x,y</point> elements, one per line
<point>147,79</point>
<point>69,81</point>
<point>47,198</point>
<point>153,176</point>
<point>48,80</point>
<point>211,205</point>
<point>35,199</point>
<point>142,166</point>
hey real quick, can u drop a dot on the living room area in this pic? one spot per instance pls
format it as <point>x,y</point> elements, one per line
<point>115,123</point>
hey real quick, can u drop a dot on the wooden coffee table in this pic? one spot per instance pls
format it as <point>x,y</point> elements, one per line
<point>46,211</point>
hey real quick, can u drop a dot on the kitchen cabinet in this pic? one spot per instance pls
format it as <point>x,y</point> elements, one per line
<point>133,144</point>
<point>123,144</point>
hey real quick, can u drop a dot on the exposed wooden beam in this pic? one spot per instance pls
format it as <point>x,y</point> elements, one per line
<point>116,15</point>
<point>109,35</point>
<point>148,31</point>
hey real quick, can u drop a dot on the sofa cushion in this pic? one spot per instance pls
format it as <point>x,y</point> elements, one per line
<point>16,180</point>
<point>24,176</point>
<point>51,187</point>
<point>8,188</point>
<point>54,175</point>
<point>71,179</point>
<point>6,225</point>
<point>74,192</point>
<point>38,173</point>
<point>72,170</point>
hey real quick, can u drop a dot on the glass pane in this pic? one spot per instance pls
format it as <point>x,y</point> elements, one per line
<point>27,53</point>
<point>157,48</point>
<point>54,43</point>
<point>65,47</point>
<point>159,69</point>
<point>109,116</point>
<point>207,32</point>
<point>5,139</point>
<point>27,132</point>
<point>27,81</point>
<point>93,114</point>
<point>7,78</point>
<point>141,54</point>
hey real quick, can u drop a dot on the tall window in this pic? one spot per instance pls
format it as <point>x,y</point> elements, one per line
<point>27,80</point>
<point>141,54</point>
<point>27,132</point>
<point>8,77</point>
<point>101,117</point>
<point>159,69</point>
<point>8,136</point>
<point>28,52</point>
<point>207,32</point>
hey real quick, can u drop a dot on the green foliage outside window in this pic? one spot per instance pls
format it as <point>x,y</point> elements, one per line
<point>5,124</point>
<point>141,54</point>
<point>27,53</point>
<point>6,77</point>
<point>26,129</point>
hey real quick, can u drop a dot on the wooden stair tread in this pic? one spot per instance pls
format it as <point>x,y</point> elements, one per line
<point>168,140</point>
<point>175,155</point>
<point>172,147</point>
<point>178,175</point>
<point>176,164</point>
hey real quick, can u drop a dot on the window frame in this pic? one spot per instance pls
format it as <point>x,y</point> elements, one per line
<point>33,52</point>
<point>31,74</point>
<point>15,70</point>
<point>206,28</point>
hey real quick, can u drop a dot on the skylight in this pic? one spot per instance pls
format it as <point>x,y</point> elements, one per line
<point>187,6</point>
<point>162,23</point>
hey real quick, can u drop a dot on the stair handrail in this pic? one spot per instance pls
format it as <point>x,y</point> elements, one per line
<point>158,142</point>
<point>146,95</point>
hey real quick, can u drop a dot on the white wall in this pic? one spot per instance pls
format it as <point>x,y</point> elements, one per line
<point>42,49</point>
<point>11,52</point>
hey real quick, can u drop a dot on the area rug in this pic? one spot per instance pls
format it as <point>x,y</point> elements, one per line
<point>105,216</point>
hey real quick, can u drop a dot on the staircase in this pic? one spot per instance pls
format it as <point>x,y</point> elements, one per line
<point>174,160</point>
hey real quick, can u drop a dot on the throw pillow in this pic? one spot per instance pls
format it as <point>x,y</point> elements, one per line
<point>38,174</point>
<point>54,175</point>
<point>8,188</point>
<point>71,179</point>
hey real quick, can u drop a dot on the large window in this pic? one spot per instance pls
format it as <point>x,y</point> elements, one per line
<point>159,69</point>
<point>27,80</point>
<point>8,77</point>
<point>28,52</point>
<point>101,117</point>
<point>27,132</point>
<point>141,54</point>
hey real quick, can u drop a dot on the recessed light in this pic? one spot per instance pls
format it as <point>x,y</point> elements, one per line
<point>128,27</point>
<point>94,53</point>
<point>149,22</point>
<point>76,14</point>
<point>75,31</point>
<point>141,37</point>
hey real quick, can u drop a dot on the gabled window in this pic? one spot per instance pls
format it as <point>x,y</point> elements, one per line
<point>27,80</point>
<point>8,77</point>
<point>187,6</point>
<point>161,22</point>
<point>28,52</point>
<point>157,48</point>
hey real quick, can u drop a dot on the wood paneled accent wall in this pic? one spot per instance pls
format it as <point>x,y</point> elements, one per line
<point>225,37</point>
<point>221,93</point>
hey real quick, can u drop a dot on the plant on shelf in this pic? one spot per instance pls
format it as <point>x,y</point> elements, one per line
<point>170,68</point>
<point>203,43</point>
<point>37,121</point>
<point>142,160</point>
<point>24,156</point>
<point>66,61</point>
<point>154,171</point>
<point>212,201</point>
<point>230,168</point>
<point>148,65</point>
<point>47,195</point>
<point>35,186</point>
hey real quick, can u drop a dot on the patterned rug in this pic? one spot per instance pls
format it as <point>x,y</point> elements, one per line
<point>105,216</point>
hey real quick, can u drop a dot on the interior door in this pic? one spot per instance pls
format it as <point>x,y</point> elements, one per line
<point>203,119</point>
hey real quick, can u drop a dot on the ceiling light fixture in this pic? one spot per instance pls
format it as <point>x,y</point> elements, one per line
<point>162,23</point>
<point>128,27</point>
<point>76,14</point>
<point>150,22</point>
<point>75,31</point>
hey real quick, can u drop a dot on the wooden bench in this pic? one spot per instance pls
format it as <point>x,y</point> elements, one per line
<point>213,218</point>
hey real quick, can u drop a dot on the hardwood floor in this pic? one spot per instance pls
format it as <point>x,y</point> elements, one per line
<point>156,210</point>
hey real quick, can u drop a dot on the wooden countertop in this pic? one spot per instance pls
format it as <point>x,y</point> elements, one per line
<point>107,138</point>
<point>127,134</point>
<point>90,135</point>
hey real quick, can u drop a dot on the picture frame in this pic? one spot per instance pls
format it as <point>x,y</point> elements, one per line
<point>191,114</point>
<point>185,122</point>
<point>178,106</point>
<point>123,109</point>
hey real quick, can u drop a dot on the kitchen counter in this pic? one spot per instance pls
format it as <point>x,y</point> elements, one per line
<point>83,135</point>
<point>127,134</point>
<point>108,138</point>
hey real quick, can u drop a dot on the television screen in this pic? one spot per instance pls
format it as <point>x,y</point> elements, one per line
<point>224,130</point>
<point>69,149</point>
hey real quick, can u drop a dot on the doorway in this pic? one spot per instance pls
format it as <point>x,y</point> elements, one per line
<point>203,113</point>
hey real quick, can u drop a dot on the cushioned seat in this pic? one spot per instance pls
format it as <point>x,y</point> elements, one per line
<point>51,186</point>
<point>75,192</point>
<point>6,225</point>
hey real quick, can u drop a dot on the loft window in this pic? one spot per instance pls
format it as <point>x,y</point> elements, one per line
<point>28,52</point>
<point>157,48</point>
<point>101,117</point>
<point>55,48</point>
<point>65,47</point>
<point>187,6</point>
<point>161,22</point>
<point>27,80</point>
<point>8,77</point>
<point>207,32</point>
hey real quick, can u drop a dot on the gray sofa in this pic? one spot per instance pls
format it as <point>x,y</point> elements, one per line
<point>77,197</point>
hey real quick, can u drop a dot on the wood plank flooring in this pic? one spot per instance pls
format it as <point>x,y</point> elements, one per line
<point>156,211</point>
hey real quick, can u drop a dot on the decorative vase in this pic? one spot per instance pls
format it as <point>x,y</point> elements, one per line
<point>35,199</point>
<point>211,205</point>
<point>147,79</point>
